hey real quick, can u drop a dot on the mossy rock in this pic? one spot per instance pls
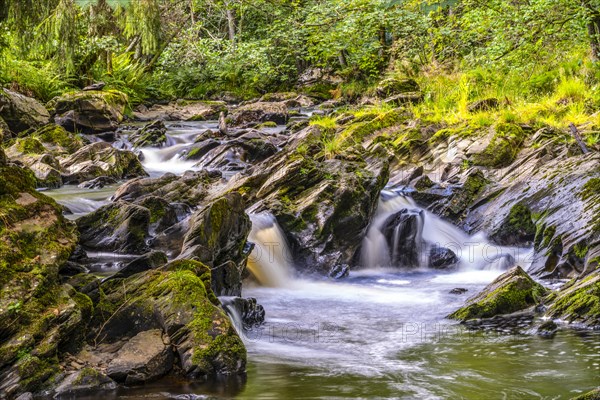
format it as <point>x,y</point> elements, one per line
<point>393,86</point>
<point>151,135</point>
<point>20,112</point>
<point>579,302</point>
<point>518,227</point>
<point>510,292</point>
<point>503,148</point>
<point>29,145</point>
<point>591,395</point>
<point>58,139</point>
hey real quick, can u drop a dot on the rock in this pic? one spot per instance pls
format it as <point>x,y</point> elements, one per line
<point>218,232</point>
<point>90,111</point>
<point>339,271</point>
<point>404,98</point>
<point>143,358</point>
<point>151,260</point>
<point>592,395</point>
<point>20,112</point>
<point>260,112</point>
<point>97,183</point>
<point>251,313</point>
<point>518,228</point>
<point>94,86</point>
<point>119,227</point>
<point>152,134</point>
<point>483,105</point>
<point>191,188</point>
<point>442,258</point>
<point>178,301</point>
<point>25,396</point>
<point>505,144</point>
<point>31,153</point>
<point>458,291</point>
<point>402,232</point>
<point>100,159</point>
<point>38,316</point>
<point>578,302</point>
<point>182,110</point>
<point>510,292</point>
<point>227,279</point>
<point>392,87</point>
<point>86,381</point>
<point>547,329</point>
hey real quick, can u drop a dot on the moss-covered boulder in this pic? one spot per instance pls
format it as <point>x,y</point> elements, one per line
<point>120,227</point>
<point>260,112</point>
<point>510,292</point>
<point>518,227</point>
<point>393,86</point>
<point>31,153</point>
<point>178,300</point>
<point>152,134</point>
<point>39,318</point>
<point>505,143</point>
<point>100,159</point>
<point>90,111</point>
<point>578,302</point>
<point>21,112</point>
<point>57,139</point>
<point>591,395</point>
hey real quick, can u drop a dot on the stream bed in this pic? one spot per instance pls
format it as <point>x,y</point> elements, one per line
<point>380,333</point>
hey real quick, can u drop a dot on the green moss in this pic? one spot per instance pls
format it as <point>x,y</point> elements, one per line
<point>580,249</point>
<point>35,372</point>
<point>518,225</point>
<point>57,135</point>
<point>580,302</point>
<point>503,148</point>
<point>592,395</point>
<point>268,124</point>
<point>356,132</point>
<point>590,188</point>
<point>30,145</point>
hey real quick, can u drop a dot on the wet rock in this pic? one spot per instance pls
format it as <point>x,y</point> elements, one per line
<point>547,329</point>
<point>578,302</point>
<point>515,323</point>
<point>25,396</point>
<point>458,291</point>
<point>151,135</point>
<point>339,271</point>
<point>227,279</point>
<point>251,313</point>
<point>218,232</point>
<point>151,260</point>
<point>260,112</point>
<point>483,105</point>
<point>191,188</point>
<point>119,227</point>
<point>511,292</point>
<point>97,183</point>
<point>20,112</point>
<point>143,358</point>
<point>442,258</point>
<point>100,159</point>
<point>592,395</point>
<point>392,86</point>
<point>518,227</point>
<point>87,381</point>
<point>404,98</point>
<point>177,300</point>
<point>402,232</point>
<point>89,111</point>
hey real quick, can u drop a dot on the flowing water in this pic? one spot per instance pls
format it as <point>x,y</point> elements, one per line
<point>381,332</point>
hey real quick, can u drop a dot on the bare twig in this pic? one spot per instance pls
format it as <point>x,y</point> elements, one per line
<point>578,138</point>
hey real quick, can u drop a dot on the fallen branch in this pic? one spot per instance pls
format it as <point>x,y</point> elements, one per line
<point>578,138</point>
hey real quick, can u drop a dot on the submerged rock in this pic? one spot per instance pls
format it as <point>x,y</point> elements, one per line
<point>510,292</point>
<point>89,111</point>
<point>20,112</point>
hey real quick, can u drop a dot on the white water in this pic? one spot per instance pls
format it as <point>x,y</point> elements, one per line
<point>159,161</point>
<point>270,260</point>
<point>474,252</point>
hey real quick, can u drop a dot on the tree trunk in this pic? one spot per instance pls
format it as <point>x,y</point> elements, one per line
<point>593,27</point>
<point>231,26</point>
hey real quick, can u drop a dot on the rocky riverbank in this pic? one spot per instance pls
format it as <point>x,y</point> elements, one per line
<point>318,169</point>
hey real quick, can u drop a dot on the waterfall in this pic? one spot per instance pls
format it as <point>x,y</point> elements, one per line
<point>270,259</point>
<point>403,234</point>
<point>234,314</point>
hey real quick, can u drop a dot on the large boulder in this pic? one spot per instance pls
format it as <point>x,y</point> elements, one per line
<point>119,227</point>
<point>218,232</point>
<point>181,110</point>
<point>100,159</point>
<point>84,382</point>
<point>89,111</point>
<point>31,153</point>
<point>152,134</point>
<point>402,232</point>
<point>21,112</point>
<point>260,112</point>
<point>39,318</point>
<point>178,301</point>
<point>392,86</point>
<point>510,292</point>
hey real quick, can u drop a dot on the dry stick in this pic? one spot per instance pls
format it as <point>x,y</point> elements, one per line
<point>578,138</point>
